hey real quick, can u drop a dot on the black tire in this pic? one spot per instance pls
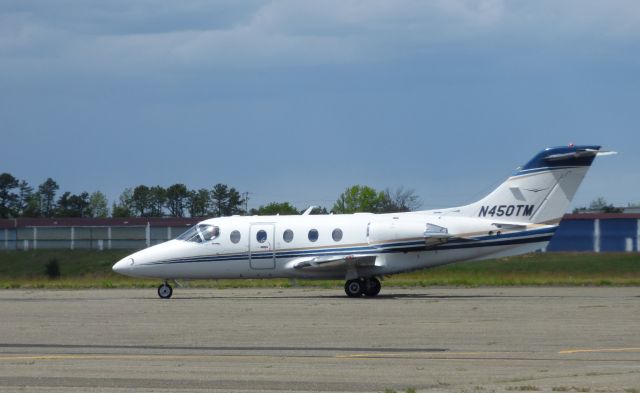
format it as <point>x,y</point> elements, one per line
<point>354,288</point>
<point>165,291</point>
<point>372,287</point>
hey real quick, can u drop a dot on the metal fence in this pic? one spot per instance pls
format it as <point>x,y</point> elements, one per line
<point>577,232</point>
<point>98,234</point>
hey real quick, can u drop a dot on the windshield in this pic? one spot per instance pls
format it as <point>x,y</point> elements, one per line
<point>199,233</point>
<point>208,232</point>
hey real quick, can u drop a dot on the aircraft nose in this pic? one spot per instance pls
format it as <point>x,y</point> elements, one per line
<point>123,265</point>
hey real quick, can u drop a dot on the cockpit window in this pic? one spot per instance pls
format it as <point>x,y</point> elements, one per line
<point>200,233</point>
<point>191,235</point>
<point>209,232</point>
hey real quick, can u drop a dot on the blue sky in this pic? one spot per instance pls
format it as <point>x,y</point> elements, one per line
<point>295,101</point>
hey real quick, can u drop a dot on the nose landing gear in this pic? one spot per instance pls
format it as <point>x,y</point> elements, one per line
<point>369,287</point>
<point>165,291</point>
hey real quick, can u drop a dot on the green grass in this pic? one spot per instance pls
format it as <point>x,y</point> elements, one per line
<point>534,269</point>
<point>92,269</point>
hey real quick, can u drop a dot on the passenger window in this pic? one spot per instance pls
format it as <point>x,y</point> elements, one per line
<point>261,236</point>
<point>336,234</point>
<point>234,237</point>
<point>287,236</point>
<point>313,235</point>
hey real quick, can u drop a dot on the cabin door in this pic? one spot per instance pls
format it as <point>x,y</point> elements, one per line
<point>262,246</point>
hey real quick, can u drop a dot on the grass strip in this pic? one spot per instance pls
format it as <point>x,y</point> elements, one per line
<point>92,269</point>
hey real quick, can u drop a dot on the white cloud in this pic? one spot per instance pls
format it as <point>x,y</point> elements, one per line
<point>134,36</point>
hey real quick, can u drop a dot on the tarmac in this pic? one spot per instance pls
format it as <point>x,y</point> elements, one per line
<point>318,340</point>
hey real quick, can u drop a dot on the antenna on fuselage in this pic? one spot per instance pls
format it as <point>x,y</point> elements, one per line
<point>308,211</point>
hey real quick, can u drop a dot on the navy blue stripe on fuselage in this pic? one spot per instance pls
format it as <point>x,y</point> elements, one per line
<point>533,236</point>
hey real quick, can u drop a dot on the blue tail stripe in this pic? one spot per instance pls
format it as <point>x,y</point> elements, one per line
<point>545,160</point>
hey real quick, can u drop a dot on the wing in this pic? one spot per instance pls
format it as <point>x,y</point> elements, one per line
<point>433,235</point>
<point>334,262</point>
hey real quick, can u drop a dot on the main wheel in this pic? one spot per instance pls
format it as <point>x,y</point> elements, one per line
<point>372,287</point>
<point>165,291</point>
<point>354,288</point>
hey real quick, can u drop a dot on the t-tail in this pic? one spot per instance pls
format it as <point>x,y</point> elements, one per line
<point>541,191</point>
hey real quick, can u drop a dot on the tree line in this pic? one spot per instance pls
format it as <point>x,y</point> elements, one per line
<point>600,204</point>
<point>19,199</point>
<point>178,201</point>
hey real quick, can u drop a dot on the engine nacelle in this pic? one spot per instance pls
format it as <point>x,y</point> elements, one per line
<point>401,230</point>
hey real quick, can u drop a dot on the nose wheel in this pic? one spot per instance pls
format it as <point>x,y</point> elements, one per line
<point>165,291</point>
<point>363,286</point>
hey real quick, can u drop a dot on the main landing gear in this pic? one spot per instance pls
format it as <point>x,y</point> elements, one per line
<point>165,291</point>
<point>369,286</point>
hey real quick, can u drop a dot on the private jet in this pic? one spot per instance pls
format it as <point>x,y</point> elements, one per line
<point>519,216</point>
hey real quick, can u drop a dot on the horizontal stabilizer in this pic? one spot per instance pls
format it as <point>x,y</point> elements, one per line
<point>578,153</point>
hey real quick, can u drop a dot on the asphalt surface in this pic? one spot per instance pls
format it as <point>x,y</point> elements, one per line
<point>250,340</point>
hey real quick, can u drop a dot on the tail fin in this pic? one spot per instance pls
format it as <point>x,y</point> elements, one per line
<point>539,192</point>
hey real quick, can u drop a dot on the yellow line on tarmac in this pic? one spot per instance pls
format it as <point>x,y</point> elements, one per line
<point>407,354</point>
<point>572,351</point>
<point>166,357</point>
<point>129,357</point>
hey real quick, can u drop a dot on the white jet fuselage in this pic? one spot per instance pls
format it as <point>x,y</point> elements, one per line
<point>397,241</point>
